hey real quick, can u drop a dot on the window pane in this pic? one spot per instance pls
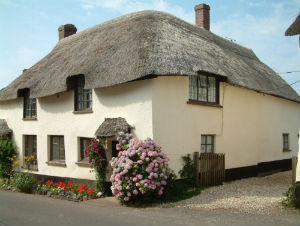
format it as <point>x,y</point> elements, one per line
<point>210,148</point>
<point>202,88</point>
<point>84,143</point>
<point>193,87</point>
<point>207,143</point>
<point>211,89</point>
<point>208,139</point>
<point>203,149</point>
<point>61,148</point>
<point>203,140</point>
<point>285,141</point>
<point>55,148</point>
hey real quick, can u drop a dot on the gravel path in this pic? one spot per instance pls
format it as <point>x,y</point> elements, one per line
<point>257,195</point>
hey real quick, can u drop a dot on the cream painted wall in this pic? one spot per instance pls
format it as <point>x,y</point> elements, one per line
<point>132,101</point>
<point>248,128</point>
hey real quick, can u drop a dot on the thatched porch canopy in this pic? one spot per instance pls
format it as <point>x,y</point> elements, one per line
<point>4,129</point>
<point>112,126</point>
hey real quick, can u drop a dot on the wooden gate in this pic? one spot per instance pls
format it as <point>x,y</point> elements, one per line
<point>210,168</point>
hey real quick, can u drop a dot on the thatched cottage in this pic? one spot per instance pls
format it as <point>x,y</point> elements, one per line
<point>294,29</point>
<point>155,75</point>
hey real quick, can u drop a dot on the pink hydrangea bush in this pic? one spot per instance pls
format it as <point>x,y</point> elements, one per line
<point>140,171</point>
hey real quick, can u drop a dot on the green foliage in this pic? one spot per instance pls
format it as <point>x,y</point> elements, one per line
<point>291,200</point>
<point>97,159</point>
<point>24,182</point>
<point>188,171</point>
<point>7,158</point>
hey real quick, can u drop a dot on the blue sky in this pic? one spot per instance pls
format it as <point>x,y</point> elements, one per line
<point>29,27</point>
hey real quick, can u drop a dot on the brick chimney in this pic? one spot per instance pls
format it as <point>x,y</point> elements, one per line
<point>202,16</point>
<point>66,30</point>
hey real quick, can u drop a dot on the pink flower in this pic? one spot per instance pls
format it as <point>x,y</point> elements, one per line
<point>147,159</point>
<point>137,184</point>
<point>160,192</point>
<point>140,176</point>
<point>134,179</point>
<point>135,192</point>
<point>126,199</point>
<point>163,182</point>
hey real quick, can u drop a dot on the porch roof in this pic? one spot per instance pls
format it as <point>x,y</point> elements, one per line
<point>4,129</point>
<point>112,126</point>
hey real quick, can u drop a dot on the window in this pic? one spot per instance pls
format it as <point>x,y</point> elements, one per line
<point>29,110</point>
<point>84,143</point>
<point>203,88</point>
<point>57,148</point>
<point>207,144</point>
<point>30,148</point>
<point>83,97</point>
<point>286,142</point>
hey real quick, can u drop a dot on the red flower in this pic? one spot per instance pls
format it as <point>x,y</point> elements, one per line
<point>41,181</point>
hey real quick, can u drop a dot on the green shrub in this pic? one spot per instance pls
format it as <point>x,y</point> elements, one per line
<point>8,155</point>
<point>291,200</point>
<point>188,170</point>
<point>24,182</point>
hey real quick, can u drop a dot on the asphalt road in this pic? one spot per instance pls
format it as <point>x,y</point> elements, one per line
<point>24,209</point>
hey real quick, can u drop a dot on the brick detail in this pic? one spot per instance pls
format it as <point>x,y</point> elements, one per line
<point>202,16</point>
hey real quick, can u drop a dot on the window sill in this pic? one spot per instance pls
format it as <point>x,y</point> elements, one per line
<point>196,102</point>
<point>287,150</point>
<point>30,169</point>
<point>87,111</point>
<point>30,119</point>
<point>83,163</point>
<point>57,163</point>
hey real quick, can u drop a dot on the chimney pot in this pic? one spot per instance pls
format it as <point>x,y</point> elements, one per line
<point>202,16</point>
<point>66,30</point>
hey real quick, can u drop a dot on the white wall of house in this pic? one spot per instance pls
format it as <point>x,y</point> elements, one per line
<point>248,128</point>
<point>132,101</point>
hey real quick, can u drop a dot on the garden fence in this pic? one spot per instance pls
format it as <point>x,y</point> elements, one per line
<point>210,168</point>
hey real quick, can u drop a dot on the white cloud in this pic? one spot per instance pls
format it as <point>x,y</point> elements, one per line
<point>128,6</point>
<point>20,59</point>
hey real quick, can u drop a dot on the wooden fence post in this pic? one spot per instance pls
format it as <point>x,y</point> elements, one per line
<point>294,169</point>
<point>197,168</point>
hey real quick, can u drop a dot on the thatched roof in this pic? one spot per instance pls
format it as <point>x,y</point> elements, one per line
<point>145,44</point>
<point>4,129</point>
<point>294,29</point>
<point>112,126</point>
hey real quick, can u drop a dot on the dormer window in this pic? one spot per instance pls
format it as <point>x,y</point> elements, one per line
<point>29,108</point>
<point>204,88</point>
<point>83,97</point>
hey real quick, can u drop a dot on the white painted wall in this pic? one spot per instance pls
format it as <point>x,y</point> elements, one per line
<point>248,128</point>
<point>132,101</point>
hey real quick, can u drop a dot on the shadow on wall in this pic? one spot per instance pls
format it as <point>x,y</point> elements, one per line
<point>125,94</point>
<point>58,103</point>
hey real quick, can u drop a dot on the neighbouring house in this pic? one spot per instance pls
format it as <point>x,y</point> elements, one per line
<point>155,75</point>
<point>294,29</point>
